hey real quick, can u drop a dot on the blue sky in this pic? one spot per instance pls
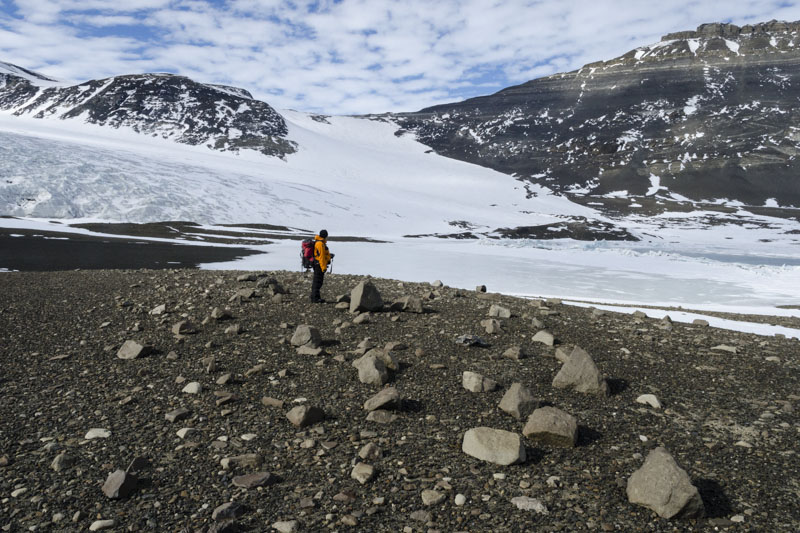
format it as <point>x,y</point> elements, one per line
<point>349,56</point>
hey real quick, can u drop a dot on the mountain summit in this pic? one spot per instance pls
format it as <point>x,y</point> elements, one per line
<point>705,115</point>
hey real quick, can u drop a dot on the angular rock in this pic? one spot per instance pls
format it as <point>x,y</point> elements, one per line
<point>177,414</point>
<point>133,350</point>
<point>159,309</point>
<point>388,398</point>
<point>309,350</point>
<point>526,503</point>
<point>306,335</point>
<point>286,526</point>
<point>305,415</point>
<point>61,462</point>
<point>494,445</point>
<point>251,481</point>
<point>247,460</point>
<point>552,426</point>
<point>363,472</point>
<point>564,351</point>
<point>193,388</point>
<point>545,337</point>
<point>475,382</point>
<point>700,322</point>
<point>499,311</point>
<point>99,525</point>
<point>388,358</point>
<point>228,511</point>
<point>491,325</point>
<point>516,353</point>
<point>370,452</point>
<point>581,374</point>
<point>371,370</point>
<point>663,486</point>
<point>381,416</point>
<point>97,433</point>
<point>409,304</point>
<point>518,401</point>
<point>186,433</point>
<point>219,314</point>
<point>432,497</point>
<point>247,277</point>
<point>365,297</point>
<point>184,327</point>
<point>119,484</point>
<point>471,340</point>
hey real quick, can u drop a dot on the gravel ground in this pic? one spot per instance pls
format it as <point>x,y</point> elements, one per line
<point>730,419</point>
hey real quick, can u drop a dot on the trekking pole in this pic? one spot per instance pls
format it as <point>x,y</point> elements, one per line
<point>331,265</point>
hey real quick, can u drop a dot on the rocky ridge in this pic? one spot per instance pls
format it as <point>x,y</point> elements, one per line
<point>243,412</point>
<point>703,116</point>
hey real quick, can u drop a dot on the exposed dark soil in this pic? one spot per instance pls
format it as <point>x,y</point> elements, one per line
<point>730,419</point>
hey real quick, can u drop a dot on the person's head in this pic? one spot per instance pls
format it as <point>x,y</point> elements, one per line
<point>323,233</point>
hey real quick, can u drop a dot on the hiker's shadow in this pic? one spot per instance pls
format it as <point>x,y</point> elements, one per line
<point>716,502</point>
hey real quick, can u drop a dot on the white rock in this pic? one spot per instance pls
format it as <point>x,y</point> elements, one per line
<point>460,500</point>
<point>97,525</point>
<point>285,526</point>
<point>494,445</point>
<point>97,433</point>
<point>526,503</point>
<point>193,388</point>
<point>649,399</point>
<point>186,432</point>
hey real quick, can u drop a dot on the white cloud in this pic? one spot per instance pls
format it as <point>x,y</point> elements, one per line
<point>354,55</point>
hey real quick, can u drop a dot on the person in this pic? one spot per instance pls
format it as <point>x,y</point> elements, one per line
<point>322,258</point>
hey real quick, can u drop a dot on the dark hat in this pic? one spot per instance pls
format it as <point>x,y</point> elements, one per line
<point>323,234</point>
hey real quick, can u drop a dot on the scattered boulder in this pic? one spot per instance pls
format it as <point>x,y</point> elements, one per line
<point>552,426</point>
<point>518,401</point>
<point>388,398</point>
<point>220,314</point>
<point>247,277</point>
<point>306,335</point>
<point>184,327</point>
<point>177,414</point>
<point>133,350</point>
<point>663,486</point>
<point>494,446</point>
<point>381,416</point>
<point>363,472</point>
<point>305,415</point>
<point>228,511</point>
<point>365,297</point>
<point>700,322</point>
<point>370,452</point>
<point>119,484</point>
<point>371,370</point>
<point>408,304</point>
<point>251,481</point>
<point>386,356</point>
<point>581,374</point>
<point>491,325</point>
<point>475,382</point>
<point>62,461</point>
<point>99,525</point>
<point>480,288</point>
<point>545,337</point>
<point>499,311</point>
<point>286,526</point>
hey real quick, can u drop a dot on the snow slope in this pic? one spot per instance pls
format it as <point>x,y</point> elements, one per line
<point>351,171</point>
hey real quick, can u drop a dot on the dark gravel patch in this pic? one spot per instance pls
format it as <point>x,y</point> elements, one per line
<point>730,419</point>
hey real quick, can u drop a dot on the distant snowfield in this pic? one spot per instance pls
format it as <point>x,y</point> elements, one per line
<point>355,177</point>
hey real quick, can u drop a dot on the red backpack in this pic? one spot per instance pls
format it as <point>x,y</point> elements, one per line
<point>307,253</point>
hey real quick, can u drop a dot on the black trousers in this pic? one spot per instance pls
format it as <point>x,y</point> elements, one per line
<point>316,284</point>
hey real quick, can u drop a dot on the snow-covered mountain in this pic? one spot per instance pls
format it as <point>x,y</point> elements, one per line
<point>163,105</point>
<point>705,115</point>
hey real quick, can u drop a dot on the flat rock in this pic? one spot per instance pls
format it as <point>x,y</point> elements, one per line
<point>305,415</point>
<point>228,511</point>
<point>492,326</point>
<point>518,401</point>
<point>552,426</point>
<point>494,445</point>
<point>580,373</point>
<point>286,526</point>
<point>663,486</point>
<point>545,337</point>
<point>471,340</point>
<point>193,388</point>
<point>247,460</point>
<point>381,416</point>
<point>251,481</point>
<point>99,525</point>
<point>474,382</point>
<point>649,399</point>
<point>177,414</point>
<point>432,497</point>
<point>388,398</point>
<point>515,352</point>
<point>97,433</point>
<point>526,503</point>
<point>499,311</point>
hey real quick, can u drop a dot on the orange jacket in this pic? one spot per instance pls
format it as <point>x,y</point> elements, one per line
<point>321,253</point>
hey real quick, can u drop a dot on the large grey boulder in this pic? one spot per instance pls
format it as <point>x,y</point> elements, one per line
<point>545,337</point>
<point>518,401</point>
<point>305,415</point>
<point>552,426</point>
<point>409,304</point>
<point>306,335</point>
<point>499,311</point>
<point>386,356</point>
<point>494,446</point>
<point>365,297</point>
<point>474,382</point>
<point>371,370</point>
<point>581,374</point>
<point>663,486</point>
<point>492,325</point>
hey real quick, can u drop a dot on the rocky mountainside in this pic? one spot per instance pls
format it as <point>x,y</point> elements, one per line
<point>702,115</point>
<point>164,105</point>
<point>200,401</point>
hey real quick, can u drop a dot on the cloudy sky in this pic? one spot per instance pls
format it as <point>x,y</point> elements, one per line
<point>347,56</point>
